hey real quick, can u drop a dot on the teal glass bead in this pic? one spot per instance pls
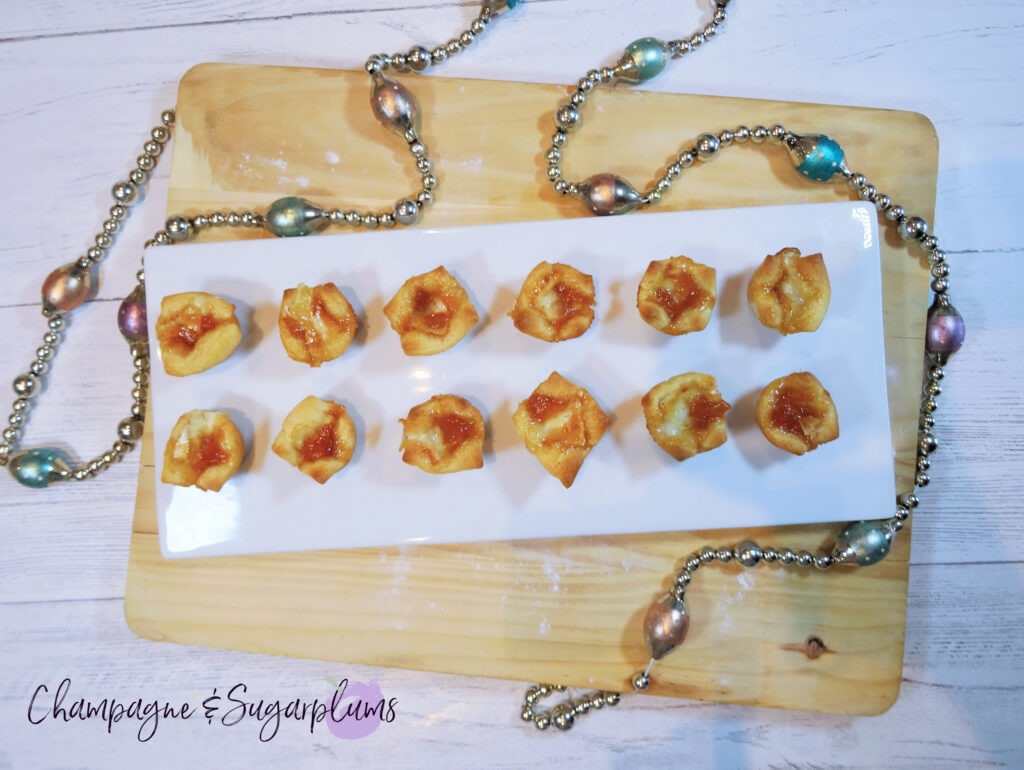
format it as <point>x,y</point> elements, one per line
<point>292,216</point>
<point>816,156</point>
<point>863,543</point>
<point>38,468</point>
<point>644,59</point>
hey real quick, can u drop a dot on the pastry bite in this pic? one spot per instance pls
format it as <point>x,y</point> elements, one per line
<point>789,292</point>
<point>796,413</point>
<point>560,423</point>
<point>195,331</point>
<point>443,435</point>
<point>431,313</point>
<point>555,303</point>
<point>686,414</point>
<point>204,450</point>
<point>318,437</point>
<point>316,324</point>
<point>676,295</point>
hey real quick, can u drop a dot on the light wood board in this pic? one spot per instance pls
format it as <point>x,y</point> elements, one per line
<point>568,610</point>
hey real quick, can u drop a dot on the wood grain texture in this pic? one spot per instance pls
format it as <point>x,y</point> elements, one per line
<point>570,610</point>
<point>77,98</point>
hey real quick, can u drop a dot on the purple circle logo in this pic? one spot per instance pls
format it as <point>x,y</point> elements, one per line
<point>356,709</point>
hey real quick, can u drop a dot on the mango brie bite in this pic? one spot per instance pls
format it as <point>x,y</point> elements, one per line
<point>195,331</point>
<point>676,296</point>
<point>560,422</point>
<point>555,303</point>
<point>316,324</point>
<point>443,435</point>
<point>204,450</point>
<point>790,293</point>
<point>796,413</point>
<point>318,437</point>
<point>431,312</point>
<point>685,414</point>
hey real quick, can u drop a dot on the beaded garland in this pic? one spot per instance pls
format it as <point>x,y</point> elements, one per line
<point>817,157</point>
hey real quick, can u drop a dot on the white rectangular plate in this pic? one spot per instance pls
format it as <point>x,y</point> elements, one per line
<point>627,484</point>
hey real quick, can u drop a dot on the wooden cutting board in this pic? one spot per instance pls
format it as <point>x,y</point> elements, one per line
<point>567,610</point>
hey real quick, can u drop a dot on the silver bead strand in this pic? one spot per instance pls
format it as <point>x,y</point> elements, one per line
<point>606,193</point>
<point>125,194</point>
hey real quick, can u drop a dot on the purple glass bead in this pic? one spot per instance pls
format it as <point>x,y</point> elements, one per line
<point>131,316</point>
<point>946,330</point>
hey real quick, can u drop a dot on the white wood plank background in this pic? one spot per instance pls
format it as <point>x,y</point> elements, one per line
<point>83,82</point>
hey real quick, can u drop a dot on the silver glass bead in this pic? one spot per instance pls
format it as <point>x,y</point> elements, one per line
<point>369,221</point>
<point>178,228</point>
<point>44,353</point>
<point>707,554</point>
<point>130,429</point>
<point>543,721</point>
<point>418,58</point>
<point>429,181</point>
<point>895,213</point>
<point>146,162</point>
<point>759,134</point>
<point>607,194</point>
<point>706,146</point>
<point>11,435</point>
<point>38,368</point>
<point>686,159</point>
<point>641,681</point>
<point>822,560</point>
<point>882,202</point>
<point>406,211</point>
<point>124,192</point>
<point>777,133</point>
<point>138,175</point>
<point>167,117</point>
<point>562,716</point>
<point>103,241</point>
<point>913,228</point>
<point>423,197</point>
<point>394,105</point>
<point>526,714</point>
<point>20,405</point>
<point>567,117</point>
<point>160,134</point>
<point>424,165</point>
<point>725,137</point>
<point>438,55</point>
<point>387,219</point>
<point>922,479</point>
<point>863,543</point>
<point>769,554</point>
<point>748,553</point>
<point>578,98</point>
<point>16,419</point>
<point>724,554</point>
<point>25,384</point>
<point>152,148</point>
<point>786,555</point>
